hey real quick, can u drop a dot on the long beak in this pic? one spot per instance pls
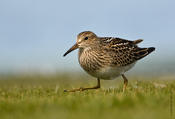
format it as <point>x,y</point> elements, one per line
<point>71,49</point>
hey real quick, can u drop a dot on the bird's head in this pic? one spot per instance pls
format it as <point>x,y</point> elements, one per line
<point>84,40</point>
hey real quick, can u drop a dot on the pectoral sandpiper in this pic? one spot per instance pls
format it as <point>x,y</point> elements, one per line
<point>107,57</point>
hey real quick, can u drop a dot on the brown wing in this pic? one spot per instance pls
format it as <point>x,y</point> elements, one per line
<point>123,51</point>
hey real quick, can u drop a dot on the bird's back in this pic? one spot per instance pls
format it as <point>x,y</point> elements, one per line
<point>124,52</point>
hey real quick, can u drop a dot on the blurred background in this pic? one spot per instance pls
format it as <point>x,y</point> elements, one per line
<point>34,34</point>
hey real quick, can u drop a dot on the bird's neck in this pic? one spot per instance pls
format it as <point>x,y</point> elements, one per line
<point>86,49</point>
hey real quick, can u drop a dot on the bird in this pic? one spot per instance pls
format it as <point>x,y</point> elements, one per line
<point>107,57</point>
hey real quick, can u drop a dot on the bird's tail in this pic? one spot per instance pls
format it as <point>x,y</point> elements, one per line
<point>142,52</point>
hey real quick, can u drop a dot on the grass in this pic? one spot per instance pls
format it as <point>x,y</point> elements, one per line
<point>42,97</point>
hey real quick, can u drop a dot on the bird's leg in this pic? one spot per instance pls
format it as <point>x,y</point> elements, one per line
<point>125,82</point>
<point>82,89</point>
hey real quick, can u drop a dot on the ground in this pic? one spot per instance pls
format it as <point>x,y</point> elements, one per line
<point>42,97</point>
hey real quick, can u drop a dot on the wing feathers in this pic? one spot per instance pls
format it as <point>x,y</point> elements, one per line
<point>137,41</point>
<point>142,52</point>
<point>123,51</point>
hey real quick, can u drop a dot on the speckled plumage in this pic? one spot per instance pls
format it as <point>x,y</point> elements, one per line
<point>109,53</point>
<point>107,57</point>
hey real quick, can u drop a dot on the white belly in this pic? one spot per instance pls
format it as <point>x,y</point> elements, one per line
<point>109,73</point>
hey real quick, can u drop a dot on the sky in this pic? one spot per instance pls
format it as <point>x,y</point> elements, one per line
<point>34,34</point>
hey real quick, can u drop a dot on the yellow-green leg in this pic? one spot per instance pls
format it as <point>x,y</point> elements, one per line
<point>125,82</point>
<point>82,89</point>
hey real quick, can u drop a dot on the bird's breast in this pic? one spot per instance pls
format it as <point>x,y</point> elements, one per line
<point>89,60</point>
<point>98,65</point>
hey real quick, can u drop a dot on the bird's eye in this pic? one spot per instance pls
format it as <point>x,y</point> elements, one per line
<point>85,38</point>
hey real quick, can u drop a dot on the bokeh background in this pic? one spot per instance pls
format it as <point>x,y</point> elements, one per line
<point>34,34</point>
